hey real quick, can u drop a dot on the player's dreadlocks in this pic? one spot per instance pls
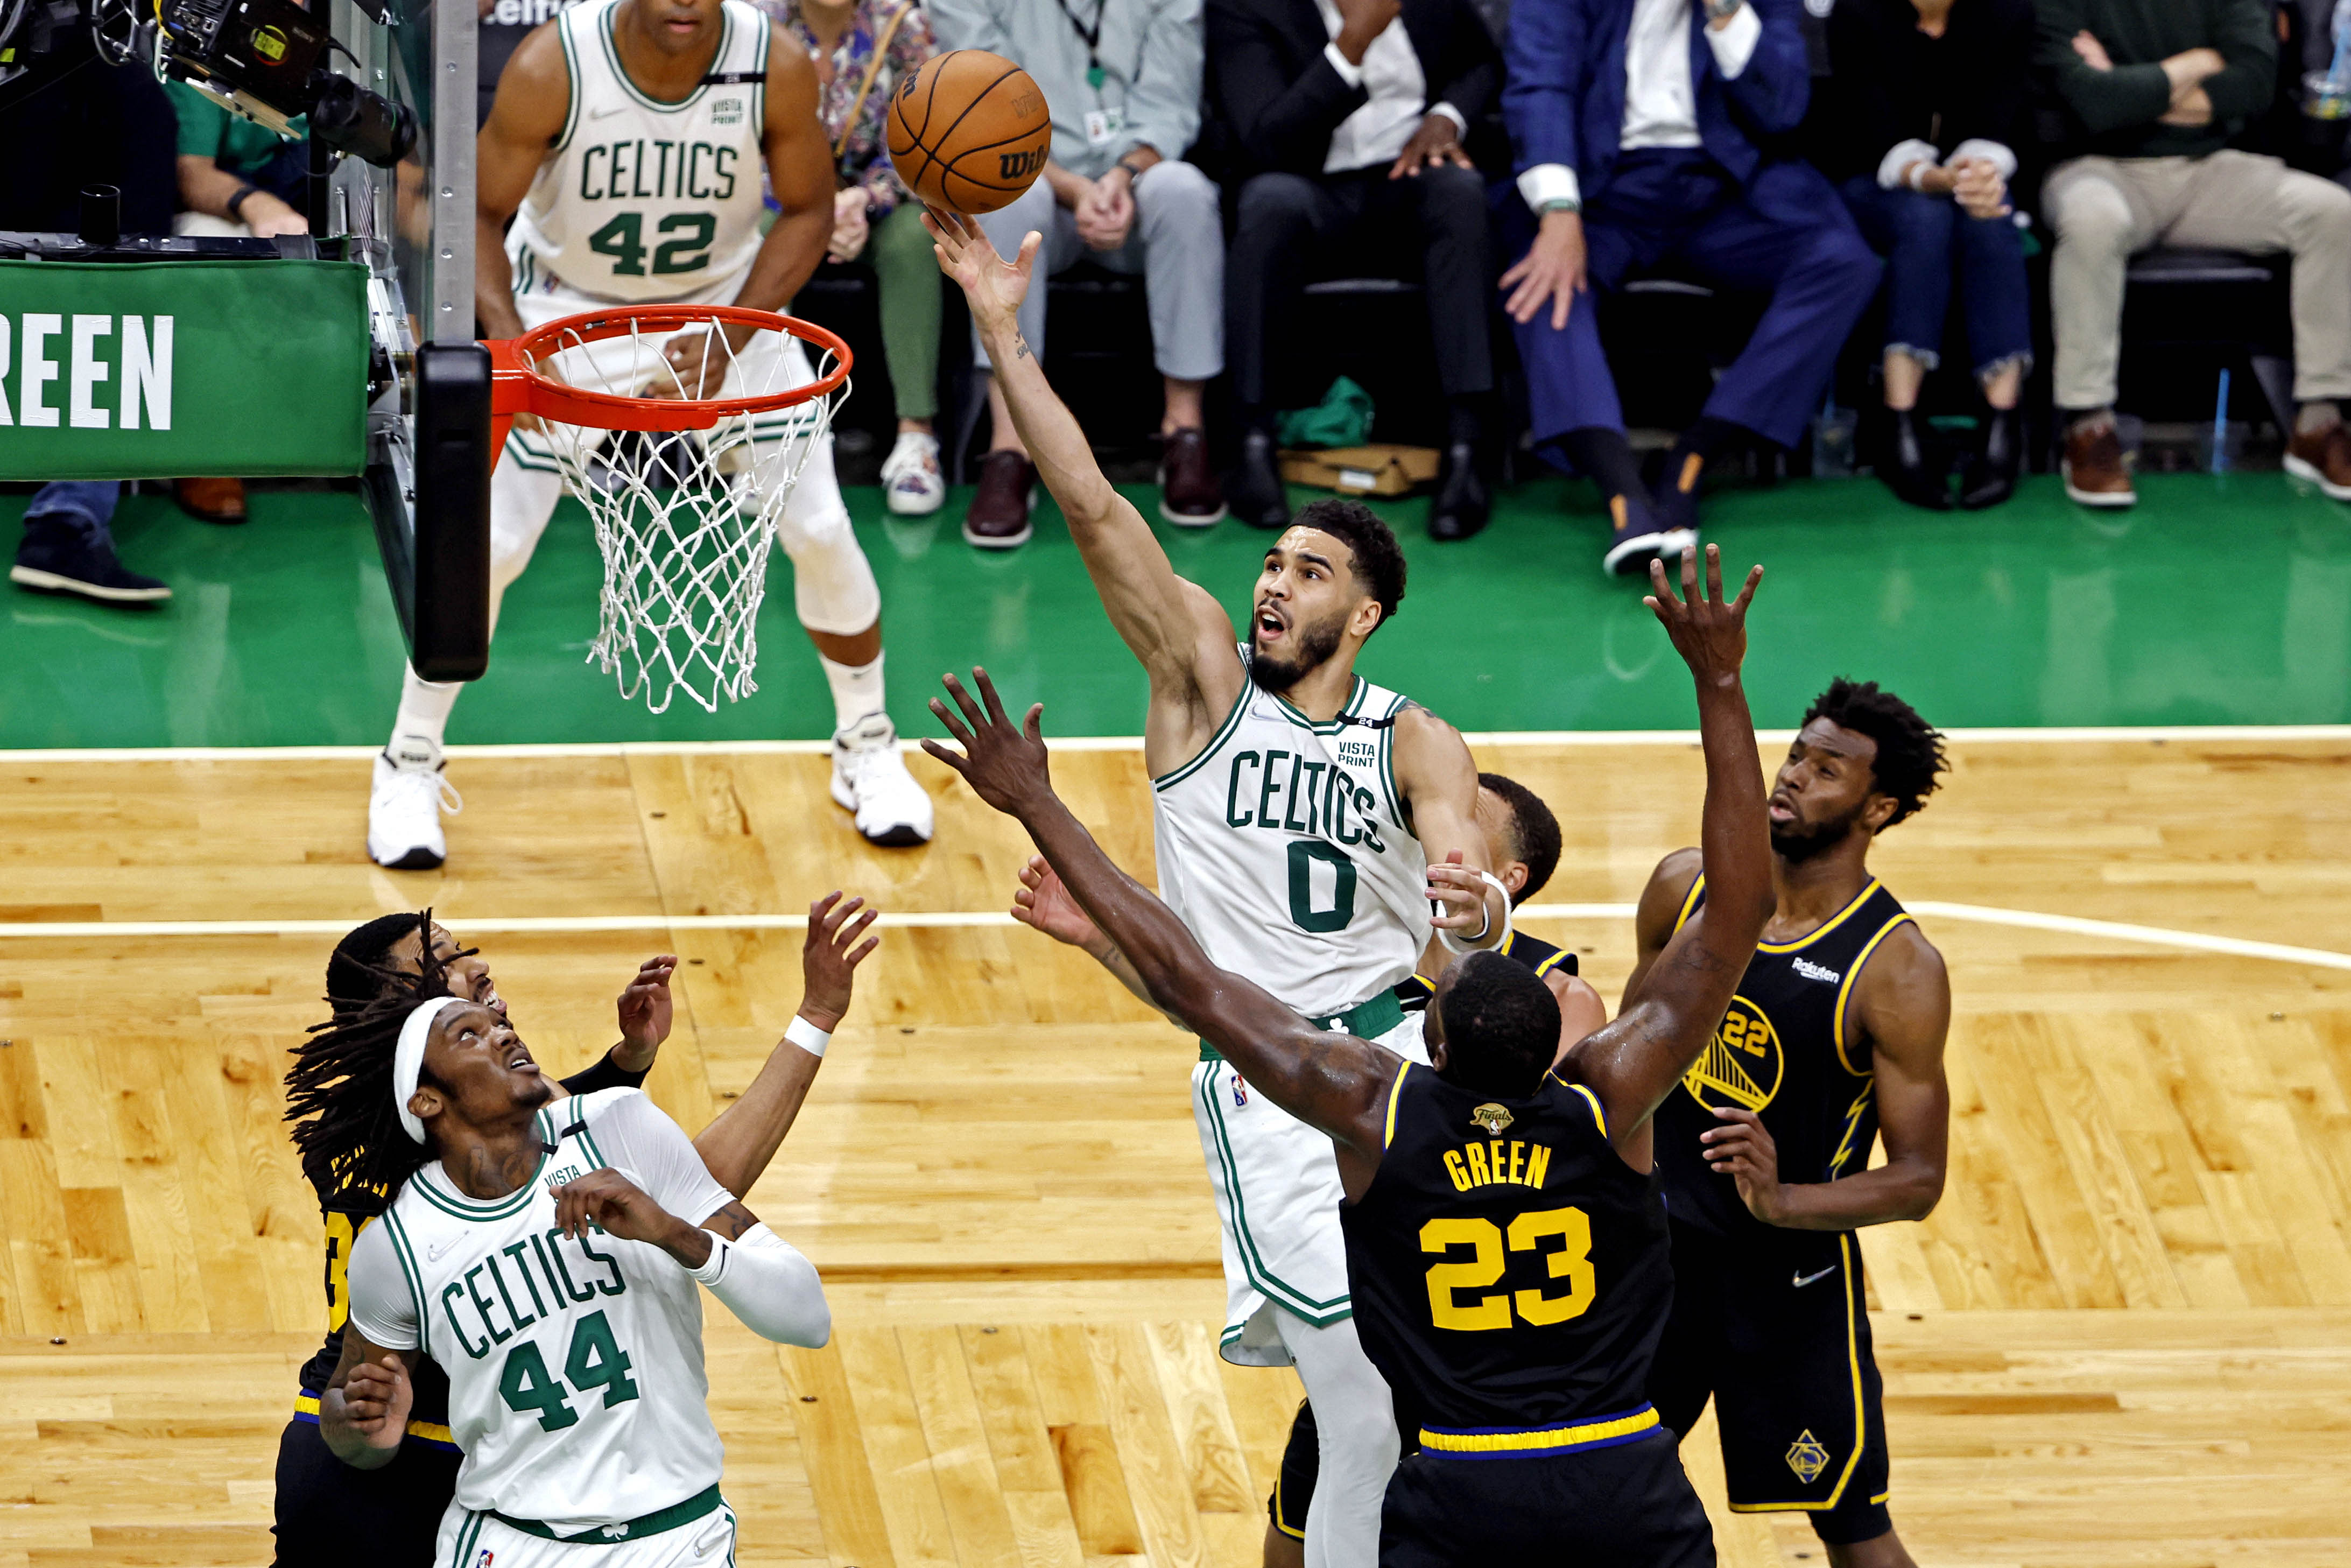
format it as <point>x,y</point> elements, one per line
<point>338,1091</point>
<point>1909,750</point>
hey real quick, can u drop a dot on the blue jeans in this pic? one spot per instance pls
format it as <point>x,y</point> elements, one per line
<point>1927,239</point>
<point>84,508</point>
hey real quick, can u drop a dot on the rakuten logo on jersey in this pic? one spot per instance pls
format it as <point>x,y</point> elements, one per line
<point>525,13</point>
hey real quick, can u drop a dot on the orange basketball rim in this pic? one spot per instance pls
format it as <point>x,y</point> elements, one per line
<point>521,381</point>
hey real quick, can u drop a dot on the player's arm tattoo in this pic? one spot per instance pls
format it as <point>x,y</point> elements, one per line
<point>1020,349</point>
<point>731,1221</point>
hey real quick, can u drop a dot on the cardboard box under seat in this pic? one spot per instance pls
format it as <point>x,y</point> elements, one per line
<point>1362,470</point>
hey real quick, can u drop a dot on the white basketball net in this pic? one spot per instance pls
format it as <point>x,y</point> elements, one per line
<point>686,520</point>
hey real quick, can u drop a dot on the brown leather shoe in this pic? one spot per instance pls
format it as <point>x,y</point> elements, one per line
<point>998,518</point>
<point>1189,496</point>
<point>214,500</point>
<point>2097,472</point>
<point>2323,457</point>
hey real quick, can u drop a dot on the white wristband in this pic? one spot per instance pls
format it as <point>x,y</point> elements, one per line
<point>807,1037</point>
<point>714,1267</point>
<point>1460,946</point>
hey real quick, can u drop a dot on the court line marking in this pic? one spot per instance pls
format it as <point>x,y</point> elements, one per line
<point>2336,733</point>
<point>1973,913</point>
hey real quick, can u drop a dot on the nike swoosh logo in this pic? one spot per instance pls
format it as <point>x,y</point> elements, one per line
<point>607,112</point>
<point>1804,1280</point>
<point>433,1254</point>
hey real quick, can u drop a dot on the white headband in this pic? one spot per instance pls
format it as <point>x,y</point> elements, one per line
<point>408,1060</point>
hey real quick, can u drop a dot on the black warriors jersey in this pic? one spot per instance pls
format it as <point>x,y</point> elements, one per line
<point>1509,1271</point>
<point>1786,1051</point>
<point>1412,992</point>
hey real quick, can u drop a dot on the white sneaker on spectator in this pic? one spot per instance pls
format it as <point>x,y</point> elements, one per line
<point>911,480</point>
<point>870,778</point>
<point>404,809</point>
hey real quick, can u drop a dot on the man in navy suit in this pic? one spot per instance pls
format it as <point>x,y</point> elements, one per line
<point>1638,128</point>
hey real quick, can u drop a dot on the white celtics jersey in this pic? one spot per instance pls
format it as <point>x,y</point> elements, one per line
<point>576,1385</point>
<point>643,200</point>
<point>1282,846</point>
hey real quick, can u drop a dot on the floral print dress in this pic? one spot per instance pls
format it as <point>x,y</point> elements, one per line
<point>864,159</point>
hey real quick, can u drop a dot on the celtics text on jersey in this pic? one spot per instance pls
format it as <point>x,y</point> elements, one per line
<point>1282,847</point>
<point>640,199</point>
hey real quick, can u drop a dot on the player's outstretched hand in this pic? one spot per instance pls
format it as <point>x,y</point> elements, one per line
<point>377,1397</point>
<point>994,285</point>
<point>1459,893</point>
<point>1710,633</point>
<point>830,956</point>
<point>1004,766</point>
<point>1042,903</point>
<point>645,1006</point>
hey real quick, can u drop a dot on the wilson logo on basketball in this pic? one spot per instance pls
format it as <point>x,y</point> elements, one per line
<point>1020,165</point>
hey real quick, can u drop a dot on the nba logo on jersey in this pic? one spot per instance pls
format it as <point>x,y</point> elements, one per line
<point>726,111</point>
<point>486,1559</point>
<point>1241,1092</point>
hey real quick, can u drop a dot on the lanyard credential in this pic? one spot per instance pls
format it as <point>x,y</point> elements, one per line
<point>1091,37</point>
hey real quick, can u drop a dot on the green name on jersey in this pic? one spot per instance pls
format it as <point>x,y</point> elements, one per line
<point>643,171</point>
<point>1289,792</point>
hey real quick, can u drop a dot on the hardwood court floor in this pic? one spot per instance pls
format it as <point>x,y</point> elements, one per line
<point>2123,1338</point>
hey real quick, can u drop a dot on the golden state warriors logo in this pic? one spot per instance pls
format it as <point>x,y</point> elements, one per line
<point>1807,1457</point>
<point>1742,1061</point>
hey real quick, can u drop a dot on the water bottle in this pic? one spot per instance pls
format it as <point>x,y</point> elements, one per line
<point>2326,95</point>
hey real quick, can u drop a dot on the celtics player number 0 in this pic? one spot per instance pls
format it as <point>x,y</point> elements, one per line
<point>1570,1261</point>
<point>1303,854</point>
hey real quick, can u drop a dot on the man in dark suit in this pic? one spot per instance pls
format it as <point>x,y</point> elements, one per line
<point>1348,116</point>
<point>1639,130</point>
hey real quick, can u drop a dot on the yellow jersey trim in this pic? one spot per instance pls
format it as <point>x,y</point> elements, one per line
<point>1396,1092</point>
<point>1583,1436</point>
<point>307,1405</point>
<point>1546,966</point>
<point>1689,900</point>
<point>1599,1117</point>
<point>1824,928</point>
<point>1853,973</point>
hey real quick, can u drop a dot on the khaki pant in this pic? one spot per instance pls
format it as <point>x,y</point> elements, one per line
<point>2106,210</point>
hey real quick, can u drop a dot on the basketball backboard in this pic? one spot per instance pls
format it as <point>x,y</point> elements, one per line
<point>412,224</point>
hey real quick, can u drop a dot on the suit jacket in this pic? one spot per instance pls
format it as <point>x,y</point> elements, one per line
<point>1280,100</point>
<point>1565,99</point>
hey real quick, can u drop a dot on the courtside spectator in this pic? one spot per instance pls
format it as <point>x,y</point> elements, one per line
<point>1349,115</point>
<point>863,50</point>
<point>68,546</point>
<point>236,178</point>
<point>2155,88</point>
<point>1123,80</point>
<point>1919,128</point>
<point>1642,142</point>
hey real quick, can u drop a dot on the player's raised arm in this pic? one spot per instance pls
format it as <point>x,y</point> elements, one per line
<point>1635,1062</point>
<point>1438,780</point>
<point>1334,1082</point>
<point>1168,623</point>
<point>534,99</point>
<point>739,1143</point>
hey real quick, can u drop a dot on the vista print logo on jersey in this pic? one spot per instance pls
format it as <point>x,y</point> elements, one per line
<point>726,111</point>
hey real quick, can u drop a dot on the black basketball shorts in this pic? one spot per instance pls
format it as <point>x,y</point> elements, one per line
<point>1293,1485</point>
<point>332,1516</point>
<point>1630,1506</point>
<point>1775,1329</point>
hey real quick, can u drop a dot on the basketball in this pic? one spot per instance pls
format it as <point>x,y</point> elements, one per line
<point>969,131</point>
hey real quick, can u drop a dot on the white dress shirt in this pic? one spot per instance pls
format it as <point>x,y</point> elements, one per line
<point>1660,99</point>
<point>1375,133</point>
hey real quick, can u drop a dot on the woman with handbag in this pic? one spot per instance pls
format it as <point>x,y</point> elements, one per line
<point>863,50</point>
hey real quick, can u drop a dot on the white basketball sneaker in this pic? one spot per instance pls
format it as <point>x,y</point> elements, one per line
<point>404,809</point>
<point>870,778</point>
<point>911,481</point>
